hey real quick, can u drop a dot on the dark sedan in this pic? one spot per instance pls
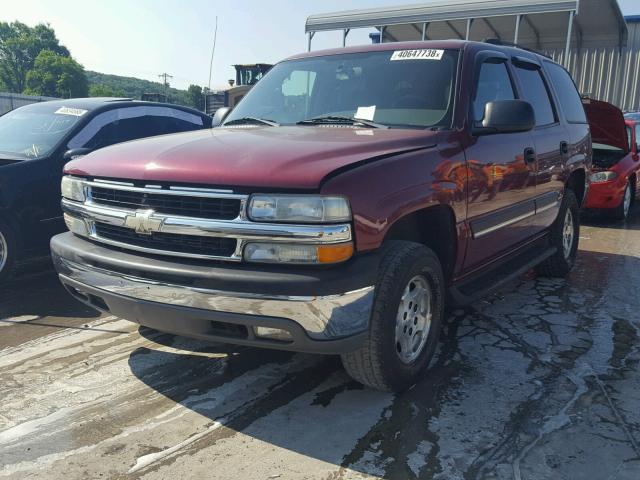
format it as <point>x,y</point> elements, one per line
<point>37,140</point>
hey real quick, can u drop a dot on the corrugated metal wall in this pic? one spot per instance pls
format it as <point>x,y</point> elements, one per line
<point>9,101</point>
<point>607,73</point>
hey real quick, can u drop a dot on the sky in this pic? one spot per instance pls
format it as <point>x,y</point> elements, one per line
<point>144,38</point>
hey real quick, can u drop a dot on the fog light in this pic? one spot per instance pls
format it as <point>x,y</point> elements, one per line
<point>75,225</point>
<point>273,334</point>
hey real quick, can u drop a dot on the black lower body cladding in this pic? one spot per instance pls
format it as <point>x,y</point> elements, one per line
<point>319,310</point>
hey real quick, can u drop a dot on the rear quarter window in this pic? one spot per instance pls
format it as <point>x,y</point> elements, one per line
<point>567,93</point>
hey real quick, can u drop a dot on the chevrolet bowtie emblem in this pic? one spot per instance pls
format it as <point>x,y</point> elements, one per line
<point>143,222</point>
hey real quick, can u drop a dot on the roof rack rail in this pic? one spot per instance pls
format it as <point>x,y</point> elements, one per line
<point>497,41</point>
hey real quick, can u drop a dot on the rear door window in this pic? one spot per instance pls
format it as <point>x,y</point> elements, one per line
<point>131,123</point>
<point>567,93</point>
<point>535,91</point>
<point>494,83</point>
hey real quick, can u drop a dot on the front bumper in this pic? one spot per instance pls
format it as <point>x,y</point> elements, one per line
<point>605,195</point>
<point>318,314</point>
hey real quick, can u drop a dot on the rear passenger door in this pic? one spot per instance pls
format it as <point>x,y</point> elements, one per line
<point>550,137</point>
<point>574,118</point>
<point>502,184</point>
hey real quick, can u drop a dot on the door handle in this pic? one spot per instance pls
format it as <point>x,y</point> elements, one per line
<point>564,148</point>
<point>529,155</point>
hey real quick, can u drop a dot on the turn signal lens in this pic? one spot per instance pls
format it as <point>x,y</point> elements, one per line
<point>75,225</point>
<point>335,253</point>
<point>297,254</point>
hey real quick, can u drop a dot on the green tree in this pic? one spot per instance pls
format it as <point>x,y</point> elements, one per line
<point>102,90</point>
<point>56,76</point>
<point>20,45</point>
<point>195,97</point>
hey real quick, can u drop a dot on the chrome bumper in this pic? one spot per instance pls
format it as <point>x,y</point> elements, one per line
<point>322,317</point>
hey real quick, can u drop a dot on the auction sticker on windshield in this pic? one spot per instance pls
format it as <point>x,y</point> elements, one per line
<point>76,112</point>
<point>421,54</point>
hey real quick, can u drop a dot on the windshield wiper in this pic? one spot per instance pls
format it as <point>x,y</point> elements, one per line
<point>245,120</point>
<point>338,119</point>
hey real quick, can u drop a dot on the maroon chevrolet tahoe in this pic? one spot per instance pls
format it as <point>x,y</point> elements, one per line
<point>341,206</point>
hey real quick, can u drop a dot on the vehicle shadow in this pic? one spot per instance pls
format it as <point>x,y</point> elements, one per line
<point>36,291</point>
<point>604,220</point>
<point>342,421</point>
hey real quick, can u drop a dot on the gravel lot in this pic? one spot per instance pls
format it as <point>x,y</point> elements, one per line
<point>539,381</point>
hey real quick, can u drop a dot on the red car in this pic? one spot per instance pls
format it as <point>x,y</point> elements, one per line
<point>614,178</point>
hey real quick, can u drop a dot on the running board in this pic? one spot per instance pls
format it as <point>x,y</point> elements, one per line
<point>468,291</point>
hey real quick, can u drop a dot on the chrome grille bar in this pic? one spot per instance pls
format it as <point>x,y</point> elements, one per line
<point>148,225</point>
<point>238,228</point>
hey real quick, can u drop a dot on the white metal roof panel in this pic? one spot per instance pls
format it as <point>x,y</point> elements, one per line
<point>434,11</point>
<point>544,25</point>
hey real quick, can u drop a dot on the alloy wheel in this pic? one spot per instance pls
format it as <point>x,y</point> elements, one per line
<point>4,251</point>
<point>568,234</point>
<point>627,201</point>
<point>413,320</point>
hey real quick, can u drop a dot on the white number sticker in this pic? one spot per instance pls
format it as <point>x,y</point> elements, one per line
<point>421,54</point>
<point>76,112</point>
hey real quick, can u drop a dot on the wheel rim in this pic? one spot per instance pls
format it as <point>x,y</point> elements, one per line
<point>568,234</point>
<point>413,321</point>
<point>627,201</point>
<point>4,251</point>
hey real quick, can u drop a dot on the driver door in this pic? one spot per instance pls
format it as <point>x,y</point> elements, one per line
<point>502,171</point>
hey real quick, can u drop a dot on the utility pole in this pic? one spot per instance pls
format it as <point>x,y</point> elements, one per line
<point>165,81</point>
<point>213,50</point>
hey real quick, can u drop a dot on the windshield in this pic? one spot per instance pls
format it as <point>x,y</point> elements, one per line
<point>401,89</point>
<point>28,134</point>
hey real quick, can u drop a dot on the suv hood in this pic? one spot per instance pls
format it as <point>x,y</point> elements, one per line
<point>281,157</point>
<point>607,124</point>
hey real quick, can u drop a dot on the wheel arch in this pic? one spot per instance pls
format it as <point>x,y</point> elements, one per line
<point>577,182</point>
<point>434,227</point>
<point>633,181</point>
<point>13,223</point>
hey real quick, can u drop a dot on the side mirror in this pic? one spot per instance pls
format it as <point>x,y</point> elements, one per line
<point>507,116</point>
<point>76,153</point>
<point>220,116</point>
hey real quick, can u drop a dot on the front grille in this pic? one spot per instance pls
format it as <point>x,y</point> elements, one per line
<point>168,242</point>
<point>182,205</point>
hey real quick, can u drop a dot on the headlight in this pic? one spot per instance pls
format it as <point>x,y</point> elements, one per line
<point>299,208</point>
<point>73,189</point>
<point>297,254</point>
<point>600,177</point>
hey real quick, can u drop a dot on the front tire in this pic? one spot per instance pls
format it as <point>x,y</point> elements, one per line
<point>564,235</point>
<point>622,212</point>
<point>7,251</point>
<point>406,320</point>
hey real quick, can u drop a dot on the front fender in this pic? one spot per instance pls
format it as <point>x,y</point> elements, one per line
<point>382,192</point>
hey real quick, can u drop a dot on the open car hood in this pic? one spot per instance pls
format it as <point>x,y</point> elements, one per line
<point>607,124</point>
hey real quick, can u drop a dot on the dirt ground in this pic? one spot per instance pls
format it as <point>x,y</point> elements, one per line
<point>539,381</point>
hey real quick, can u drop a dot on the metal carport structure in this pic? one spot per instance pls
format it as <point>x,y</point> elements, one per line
<point>538,24</point>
